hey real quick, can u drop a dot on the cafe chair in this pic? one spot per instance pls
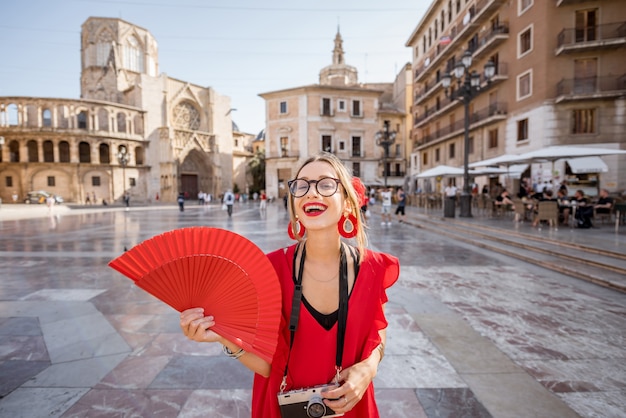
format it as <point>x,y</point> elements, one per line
<point>548,211</point>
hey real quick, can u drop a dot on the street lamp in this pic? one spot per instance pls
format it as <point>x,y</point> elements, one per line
<point>385,139</point>
<point>468,89</point>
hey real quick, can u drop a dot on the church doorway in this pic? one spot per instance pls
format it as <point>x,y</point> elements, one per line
<point>196,173</point>
<point>189,185</point>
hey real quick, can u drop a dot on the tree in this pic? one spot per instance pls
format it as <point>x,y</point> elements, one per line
<point>257,171</point>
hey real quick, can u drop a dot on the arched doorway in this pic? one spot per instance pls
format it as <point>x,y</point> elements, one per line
<point>196,174</point>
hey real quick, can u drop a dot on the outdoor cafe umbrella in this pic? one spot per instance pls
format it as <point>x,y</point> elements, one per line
<point>555,153</point>
<point>441,171</point>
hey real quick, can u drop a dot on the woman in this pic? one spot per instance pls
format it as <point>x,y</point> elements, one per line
<point>323,207</point>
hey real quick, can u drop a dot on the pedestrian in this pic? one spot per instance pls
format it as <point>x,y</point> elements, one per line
<point>14,196</point>
<point>229,201</point>
<point>401,199</point>
<point>87,199</point>
<point>93,198</point>
<point>127,200</point>
<point>385,197</point>
<point>323,208</point>
<point>181,201</point>
<point>263,204</point>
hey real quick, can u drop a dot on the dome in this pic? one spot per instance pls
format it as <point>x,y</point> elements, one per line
<point>260,136</point>
<point>235,127</point>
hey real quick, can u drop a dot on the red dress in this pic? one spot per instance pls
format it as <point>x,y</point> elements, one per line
<point>310,366</point>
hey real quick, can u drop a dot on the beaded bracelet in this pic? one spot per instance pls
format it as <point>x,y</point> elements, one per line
<point>234,355</point>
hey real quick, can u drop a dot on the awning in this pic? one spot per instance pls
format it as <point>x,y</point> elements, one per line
<point>587,165</point>
<point>516,170</point>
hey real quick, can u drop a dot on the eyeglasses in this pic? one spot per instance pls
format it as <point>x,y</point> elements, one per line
<point>326,186</point>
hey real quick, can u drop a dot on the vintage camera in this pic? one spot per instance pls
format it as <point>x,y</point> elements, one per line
<point>306,403</point>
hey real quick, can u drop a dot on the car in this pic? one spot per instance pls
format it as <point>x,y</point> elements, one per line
<point>40,196</point>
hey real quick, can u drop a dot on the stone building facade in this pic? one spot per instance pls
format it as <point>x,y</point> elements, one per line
<point>338,115</point>
<point>176,136</point>
<point>560,80</point>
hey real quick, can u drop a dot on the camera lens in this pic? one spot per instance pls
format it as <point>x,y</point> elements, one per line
<point>316,407</point>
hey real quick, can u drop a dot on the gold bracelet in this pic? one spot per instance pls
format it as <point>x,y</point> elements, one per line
<point>234,355</point>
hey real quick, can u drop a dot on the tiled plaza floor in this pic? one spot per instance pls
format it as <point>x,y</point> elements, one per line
<point>470,334</point>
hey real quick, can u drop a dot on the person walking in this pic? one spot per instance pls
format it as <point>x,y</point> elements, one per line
<point>334,342</point>
<point>229,201</point>
<point>181,201</point>
<point>263,204</point>
<point>401,199</point>
<point>385,196</point>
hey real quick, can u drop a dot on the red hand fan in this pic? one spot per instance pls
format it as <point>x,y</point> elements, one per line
<point>218,270</point>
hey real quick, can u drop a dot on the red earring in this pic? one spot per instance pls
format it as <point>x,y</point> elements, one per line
<point>300,230</point>
<point>352,228</point>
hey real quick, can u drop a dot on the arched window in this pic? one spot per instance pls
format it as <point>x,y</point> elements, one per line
<point>121,122</point>
<point>13,116</point>
<point>48,151</point>
<point>46,118</point>
<point>103,120</point>
<point>84,152</point>
<point>133,55</point>
<point>138,124</point>
<point>186,116</point>
<point>33,155</point>
<point>64,152</point>
<point>103,48</point>
<point>81,120</point>
<point>105,156</point>
<point>139,155</point>
<point>14,152</point>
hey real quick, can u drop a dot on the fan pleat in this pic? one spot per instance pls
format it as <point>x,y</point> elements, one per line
<point>218,270</point>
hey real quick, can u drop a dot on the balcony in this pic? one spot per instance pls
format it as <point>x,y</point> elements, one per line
<point>446,103</point>
<point>590,88</point>
<point>294,155</point>
<point>491,40</point>
<point>493,113</point>
<point>461,32</point>
<point>592,38</point>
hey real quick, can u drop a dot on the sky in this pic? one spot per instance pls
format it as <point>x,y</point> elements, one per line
<point>240,48</point>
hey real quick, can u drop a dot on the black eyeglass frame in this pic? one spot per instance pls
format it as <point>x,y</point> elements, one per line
<point>316,182</point>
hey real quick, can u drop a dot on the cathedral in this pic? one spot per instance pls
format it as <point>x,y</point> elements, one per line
<point>134,131</point>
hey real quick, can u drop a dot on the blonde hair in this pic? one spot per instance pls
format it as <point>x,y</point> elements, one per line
<point>345,178</point>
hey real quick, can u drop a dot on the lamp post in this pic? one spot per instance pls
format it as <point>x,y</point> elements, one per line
<point>385,139</point>
<point>469,87</point>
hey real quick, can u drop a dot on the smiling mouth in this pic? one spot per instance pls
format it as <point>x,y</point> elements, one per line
<point>314,209</point>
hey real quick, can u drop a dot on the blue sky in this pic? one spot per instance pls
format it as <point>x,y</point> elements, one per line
<point>239,47</point>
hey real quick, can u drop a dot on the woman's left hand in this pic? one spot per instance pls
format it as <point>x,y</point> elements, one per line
<point>355,380</point>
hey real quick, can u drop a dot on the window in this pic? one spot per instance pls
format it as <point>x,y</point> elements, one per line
<point>50,181</point>
<point>283,108</point>
<point>33,152</point>
<point>95,181</point>
<point>104,154</point>
<point>356,169</point>
<point>326,143</point>
<point>84,152</point>
<point>523,5</point>
<point>284,146</point>
<point>46,118</point>
<point>424,158</point>
<point>341,105</point>
<point>121,122</point>
<point>524,85</point>
<point>14,152</point>
<point>583,121</point>
<point>81,120</point>
<point>586,25</point>
<point>356,108</point>
<point>185,116</point>
<point>326,109</point>
<point>8,181</point>
<point>139,155</point>
<point>451,150</point>
<point>522,130</point>
<point>356,146</point>
<point>525,43</point>
<point>470,145</point>
<point>64,152</point>
<point>133,55</point>
<point>342,146</point>
<point>437,155</point>
<point>132,182</point>
<point>493,139</point>
<point>48,152</point>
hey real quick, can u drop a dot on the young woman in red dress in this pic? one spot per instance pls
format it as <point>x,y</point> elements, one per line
<point>340,328</point>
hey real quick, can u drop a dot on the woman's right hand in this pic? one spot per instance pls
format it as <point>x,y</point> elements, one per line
<point>197,327</point>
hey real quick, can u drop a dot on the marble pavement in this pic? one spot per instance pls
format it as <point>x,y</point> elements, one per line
<point>470,334</point>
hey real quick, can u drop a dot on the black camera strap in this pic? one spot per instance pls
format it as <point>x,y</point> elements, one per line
<point>296,304</point>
